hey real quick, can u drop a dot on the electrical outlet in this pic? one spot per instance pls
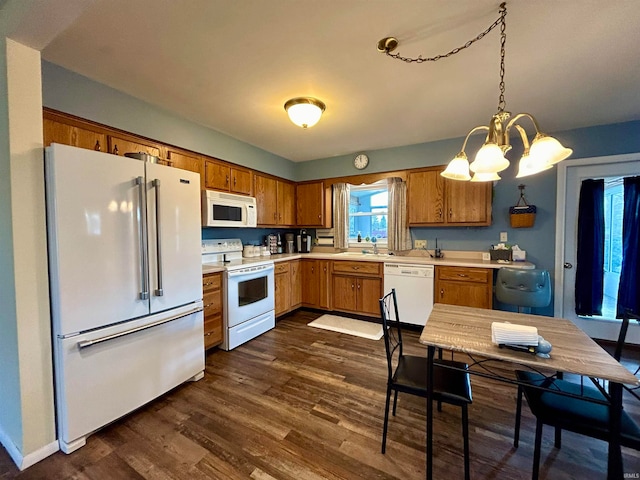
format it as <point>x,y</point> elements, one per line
<point>503,237</point>
<point>420,244</point>
<point>486,256</point>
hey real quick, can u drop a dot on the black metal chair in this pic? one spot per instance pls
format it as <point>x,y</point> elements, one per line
<point>577,415</point>
<point>408,374</point>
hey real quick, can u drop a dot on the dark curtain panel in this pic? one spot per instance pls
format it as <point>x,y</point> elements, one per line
<point>590,259</point>
<point>629,288</point>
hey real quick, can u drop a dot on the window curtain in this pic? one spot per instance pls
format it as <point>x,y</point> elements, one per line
<point>628,289</point>
<point>590,258</point>
<point>398,235</point>
<point>341,215</point>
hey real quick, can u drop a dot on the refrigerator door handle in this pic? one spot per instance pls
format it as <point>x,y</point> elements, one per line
<point>106,338</point>
<point>142,234</point>
<point>159,291</point>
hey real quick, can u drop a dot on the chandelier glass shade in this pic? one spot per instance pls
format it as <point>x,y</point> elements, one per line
<point>304,111</point>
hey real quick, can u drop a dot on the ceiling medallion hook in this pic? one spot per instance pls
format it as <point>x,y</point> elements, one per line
<point>387,44</point>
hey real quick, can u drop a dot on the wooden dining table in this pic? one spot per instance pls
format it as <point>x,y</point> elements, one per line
<point>468,330</point>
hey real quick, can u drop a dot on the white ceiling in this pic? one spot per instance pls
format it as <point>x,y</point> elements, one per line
<point>231,65</point>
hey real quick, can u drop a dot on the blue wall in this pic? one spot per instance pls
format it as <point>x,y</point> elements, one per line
<point>72,93</point>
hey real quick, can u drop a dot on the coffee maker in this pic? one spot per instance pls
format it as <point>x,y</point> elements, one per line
<point>304,242</point>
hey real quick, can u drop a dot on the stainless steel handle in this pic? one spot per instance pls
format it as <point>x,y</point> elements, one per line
<point>106,338</point>
<point>159,291</point>
<point>142,234</point>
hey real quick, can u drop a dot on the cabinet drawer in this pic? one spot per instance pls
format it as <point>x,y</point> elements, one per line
<point>361,268</point>
<point>213,331</point>
<point>211,282</point>
<point>462,274</point>
<point>212,303</point>
<point>281,267</point>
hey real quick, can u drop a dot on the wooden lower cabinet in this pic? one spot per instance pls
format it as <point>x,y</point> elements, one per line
<point>357,287</point>
<point>288,293</point>
<point>470,287</point>
<point>315,283</point>
<point>212,300</point>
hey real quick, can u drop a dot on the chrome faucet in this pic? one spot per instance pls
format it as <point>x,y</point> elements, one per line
<point>375,246</point>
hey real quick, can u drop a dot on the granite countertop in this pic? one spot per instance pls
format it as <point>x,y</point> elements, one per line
<point>415,257</point>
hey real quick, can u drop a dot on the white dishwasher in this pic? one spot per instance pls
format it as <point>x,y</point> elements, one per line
<point>414,290</point>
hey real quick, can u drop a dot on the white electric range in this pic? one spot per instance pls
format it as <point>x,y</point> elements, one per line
<point>249,291</point>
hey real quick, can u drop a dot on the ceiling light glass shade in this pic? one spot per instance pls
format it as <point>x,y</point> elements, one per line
<point>489,159</point>
<point>548,149</point>
<point>530,165</point>
<point>458,168</point>
<point>304,111</point>
<point>485,177</point>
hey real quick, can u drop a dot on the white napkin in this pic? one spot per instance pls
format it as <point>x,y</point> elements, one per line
<point>509,333</point>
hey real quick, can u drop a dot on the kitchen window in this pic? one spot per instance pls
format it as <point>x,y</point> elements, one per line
<point>368,208</point>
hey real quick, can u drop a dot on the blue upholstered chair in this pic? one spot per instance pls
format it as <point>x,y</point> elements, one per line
<point>524,288</point>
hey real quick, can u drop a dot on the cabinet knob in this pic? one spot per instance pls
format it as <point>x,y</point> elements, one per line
<point>97,147</point>
<point>352,286</point>
<point>441,292</point>
<point>208,305</point>
<point>207,334</point>
<point>115,150</point>
<point>440,212</point>
<point>234,181</point>
<point>450,213</point>
<point>355,267</point>
<point>227,180</point>
<point>462,275</point>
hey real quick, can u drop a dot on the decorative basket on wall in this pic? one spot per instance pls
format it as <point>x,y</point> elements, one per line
<point>522,215</point>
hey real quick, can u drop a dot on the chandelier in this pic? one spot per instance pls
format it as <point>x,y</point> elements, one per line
<point>544,151</point>
<point>304,111</point>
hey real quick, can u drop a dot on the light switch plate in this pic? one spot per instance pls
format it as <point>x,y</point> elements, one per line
<point>503,237</point>
<point>420,244</point>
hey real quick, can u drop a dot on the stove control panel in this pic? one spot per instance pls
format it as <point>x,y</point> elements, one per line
<point>222,245</point>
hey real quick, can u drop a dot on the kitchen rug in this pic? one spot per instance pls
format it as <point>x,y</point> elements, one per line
<point>350,326</point>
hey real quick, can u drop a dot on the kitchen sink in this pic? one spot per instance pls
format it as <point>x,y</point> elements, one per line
<point>360,254</point>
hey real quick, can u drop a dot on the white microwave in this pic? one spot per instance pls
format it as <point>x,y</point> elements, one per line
<point>220,209</point>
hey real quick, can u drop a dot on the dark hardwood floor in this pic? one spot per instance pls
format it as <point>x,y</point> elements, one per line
<point>300,403</point>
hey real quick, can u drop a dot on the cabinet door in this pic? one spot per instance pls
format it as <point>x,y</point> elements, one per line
<point>240,181</point>
<point>120,146</point>
<point>310,205</point>
<point>186,161</point>
<point>425,197</point>
<point>369,293</point>
<point>217,175</point>
<point>324,290</point>
<point>265,191</point>
<point>468,203</point>
<point>344,293</point>
<point>58,132</point>
<point>286,203</point>
<point>310,287</point>
<point>282,293</point>
<point>296,283</point>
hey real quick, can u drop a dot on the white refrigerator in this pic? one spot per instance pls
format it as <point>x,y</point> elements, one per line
<point>125,272</point>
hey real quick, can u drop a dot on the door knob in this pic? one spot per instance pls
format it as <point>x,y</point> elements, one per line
<point>567,265</point>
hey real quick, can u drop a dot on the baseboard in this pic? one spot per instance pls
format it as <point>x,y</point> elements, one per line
<point>25,461</point>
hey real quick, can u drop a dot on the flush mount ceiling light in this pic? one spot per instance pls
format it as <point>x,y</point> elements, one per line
<point>545,151</point>
<point>304,111</point>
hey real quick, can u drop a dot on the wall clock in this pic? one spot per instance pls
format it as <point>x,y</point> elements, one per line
<point>360,161</point>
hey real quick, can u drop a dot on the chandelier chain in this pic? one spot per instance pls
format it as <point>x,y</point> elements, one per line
<point>419,59</point>
<point>503,40</point>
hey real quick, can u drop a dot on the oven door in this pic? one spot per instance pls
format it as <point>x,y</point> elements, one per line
<point>250,292</point>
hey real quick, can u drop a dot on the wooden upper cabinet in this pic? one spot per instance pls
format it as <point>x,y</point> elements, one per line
<point>186,161</point>
<point>56,131</point>
<point>468,203</point>
<point>119,145</point>
<point>435,201</point>
<point>286,195</point>
<point>313,205</point>
<point>227,178</point>
<point>265,189</point>
<point>425,197</point>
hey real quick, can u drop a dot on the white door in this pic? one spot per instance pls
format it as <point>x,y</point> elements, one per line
<point>175,263</point>
<point>571,173</point>
<point>94,244</point>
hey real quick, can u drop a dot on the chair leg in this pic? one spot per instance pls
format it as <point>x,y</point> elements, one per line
<point>465,439</point>
<point>395,400</point>
<point>386,419</point>
<point>558,439</point>
<point>516,433</point>
<point>536,451</point>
